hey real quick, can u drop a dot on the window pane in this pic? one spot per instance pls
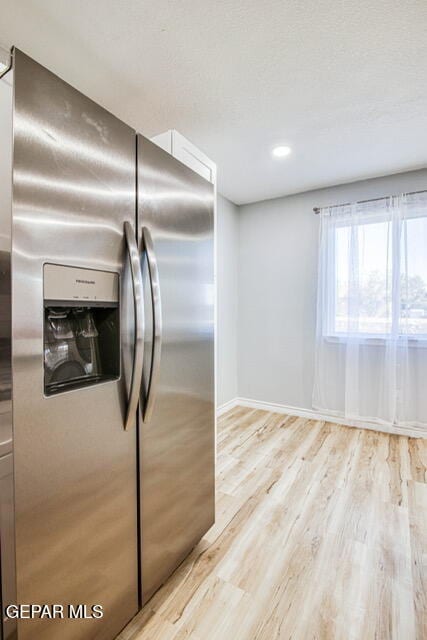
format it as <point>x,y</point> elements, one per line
<point>413,282</point>
<point>363,284</point>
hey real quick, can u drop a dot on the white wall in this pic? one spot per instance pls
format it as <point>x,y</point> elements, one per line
<point>227,250</point>
<point>277,285</point>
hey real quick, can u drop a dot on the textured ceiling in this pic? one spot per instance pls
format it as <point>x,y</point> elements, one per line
<point>344,83</point>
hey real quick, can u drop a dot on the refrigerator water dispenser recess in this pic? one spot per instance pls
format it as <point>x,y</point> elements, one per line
<point>81,327</point>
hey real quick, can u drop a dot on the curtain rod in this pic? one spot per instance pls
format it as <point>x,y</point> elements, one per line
<point>347,204</point>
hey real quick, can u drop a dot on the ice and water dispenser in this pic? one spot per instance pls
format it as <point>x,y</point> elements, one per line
<point>81,327</point>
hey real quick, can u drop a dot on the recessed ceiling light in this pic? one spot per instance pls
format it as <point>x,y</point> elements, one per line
<point>281,151</point>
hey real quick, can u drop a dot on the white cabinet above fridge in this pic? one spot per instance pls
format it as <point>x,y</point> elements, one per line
<point>186,152</point>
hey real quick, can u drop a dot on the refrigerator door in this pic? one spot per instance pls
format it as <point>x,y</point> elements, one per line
<point>75,464</point>
<point>175,228</point>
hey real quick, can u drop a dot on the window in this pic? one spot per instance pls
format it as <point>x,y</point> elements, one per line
<point>371,325</point>
<point>413,277</point>
<point>376,275</point>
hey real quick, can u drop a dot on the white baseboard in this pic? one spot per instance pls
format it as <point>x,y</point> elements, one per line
<point>227,406</point>
<point>411,432</point>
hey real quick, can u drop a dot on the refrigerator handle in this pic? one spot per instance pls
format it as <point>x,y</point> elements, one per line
<point>138,299</point>
<point>153,272</point>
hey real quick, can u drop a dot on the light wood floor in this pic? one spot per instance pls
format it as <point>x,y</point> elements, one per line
<point>321,533</point>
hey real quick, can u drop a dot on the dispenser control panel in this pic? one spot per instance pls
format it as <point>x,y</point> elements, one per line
<point>80,286</point>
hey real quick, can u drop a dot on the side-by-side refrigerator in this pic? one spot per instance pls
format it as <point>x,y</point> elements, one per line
<point>106,360</point>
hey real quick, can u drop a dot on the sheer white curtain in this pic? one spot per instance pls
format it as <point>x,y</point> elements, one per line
<point>371,338</point>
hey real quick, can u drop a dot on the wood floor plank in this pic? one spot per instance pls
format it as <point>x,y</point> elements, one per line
<point>320,533</point>
<point>418,536</point>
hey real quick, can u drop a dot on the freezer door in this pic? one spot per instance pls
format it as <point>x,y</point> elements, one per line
<point>7,536</point>
<point>75,464</point>
<point>175,226</point>
<point>7,546</point>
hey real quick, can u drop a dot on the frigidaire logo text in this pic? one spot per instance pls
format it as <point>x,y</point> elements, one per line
<point>85,281</point>
<point>51,611</point>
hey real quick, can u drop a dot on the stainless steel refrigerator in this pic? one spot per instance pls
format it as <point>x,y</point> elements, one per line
<point>107,365</point>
